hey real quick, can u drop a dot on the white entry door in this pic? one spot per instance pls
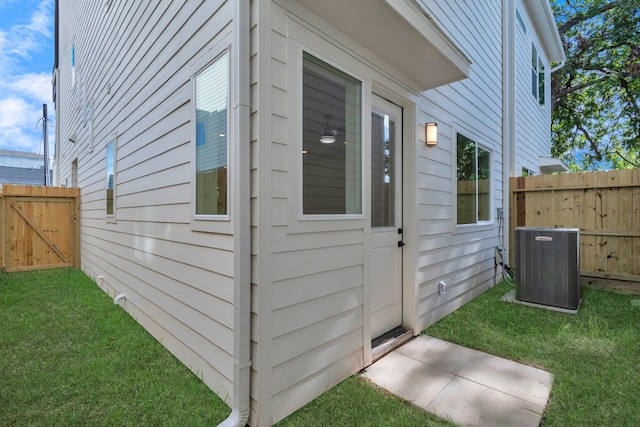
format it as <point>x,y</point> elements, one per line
<point>386,216</point>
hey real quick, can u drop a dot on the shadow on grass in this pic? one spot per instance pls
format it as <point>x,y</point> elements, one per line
<point>68,356</point>
<point>594,355</point>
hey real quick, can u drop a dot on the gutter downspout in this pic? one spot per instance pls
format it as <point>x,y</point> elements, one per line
<point>241,217</point>
<point>508,114</point>
<point>557,67</point>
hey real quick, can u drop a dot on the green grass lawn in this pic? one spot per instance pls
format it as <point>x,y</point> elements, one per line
<point>69,356</point>
<point>594,355</point>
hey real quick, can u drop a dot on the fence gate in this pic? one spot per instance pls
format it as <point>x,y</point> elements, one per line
<point>40,227</point>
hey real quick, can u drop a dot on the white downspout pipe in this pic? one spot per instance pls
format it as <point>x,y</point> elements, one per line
<point>508,113</point>
<point>240,207</point>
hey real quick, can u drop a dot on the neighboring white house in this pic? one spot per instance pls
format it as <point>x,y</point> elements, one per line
<point>20,167</point>
<point>258,178</point>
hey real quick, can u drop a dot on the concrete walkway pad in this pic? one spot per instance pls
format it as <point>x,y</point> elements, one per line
<point>465,386</point>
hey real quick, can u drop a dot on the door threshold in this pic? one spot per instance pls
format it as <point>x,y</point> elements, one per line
<point>390,341</point>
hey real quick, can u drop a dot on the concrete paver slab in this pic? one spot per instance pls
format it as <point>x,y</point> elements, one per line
<point>408,378</point>
<point>516,379</point>
<point>467,403</point>
<point>441,354</point>
<point>463,385</point>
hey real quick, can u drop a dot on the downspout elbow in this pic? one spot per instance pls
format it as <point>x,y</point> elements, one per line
<point>117,299</point>
<point>235,419</point>
<point>557,67</point>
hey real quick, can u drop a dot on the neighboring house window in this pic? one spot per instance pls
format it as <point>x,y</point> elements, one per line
<point>541,76</point>
<point>90,120</point>
<point>211,102</point>
<point>521,22</point>
<point>331,137</point>
<point>73,65</point>
<point>537,76</point>
<point>473,182</point>
<point>111,158</point>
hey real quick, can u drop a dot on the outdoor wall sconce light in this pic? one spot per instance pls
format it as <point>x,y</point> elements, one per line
<point>328,135</point>
<point>432,134</point>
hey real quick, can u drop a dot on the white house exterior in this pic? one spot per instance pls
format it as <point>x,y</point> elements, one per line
<point>256,180</point>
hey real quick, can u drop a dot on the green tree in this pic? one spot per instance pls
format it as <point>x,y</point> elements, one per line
<point>596,94</point>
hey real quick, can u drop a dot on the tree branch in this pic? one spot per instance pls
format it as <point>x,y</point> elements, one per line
<point>580,86</point>
<point>632,163</point>
<point>581,17</point>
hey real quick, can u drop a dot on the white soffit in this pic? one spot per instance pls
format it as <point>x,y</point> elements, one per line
<point>398,32</point>
<point>552,165</point>
<point>546,28</point>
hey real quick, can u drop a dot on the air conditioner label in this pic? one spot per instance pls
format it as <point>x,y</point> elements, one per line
<point>544,238</point>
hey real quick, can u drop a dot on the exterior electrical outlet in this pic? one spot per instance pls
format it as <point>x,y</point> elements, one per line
<point>548,266</point>
<point>442,287</point>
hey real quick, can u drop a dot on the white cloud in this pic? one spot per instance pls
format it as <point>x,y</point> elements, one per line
<point>13,112</point>
<point>34,85</point>
<point>19,128</point>
<point>23,39</point>
<point>23,90</point>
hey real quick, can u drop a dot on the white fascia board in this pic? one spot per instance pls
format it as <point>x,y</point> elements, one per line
<point>545,25</point>
<point>401,34</point>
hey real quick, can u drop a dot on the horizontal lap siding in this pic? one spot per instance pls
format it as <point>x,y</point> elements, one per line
<point>462,257</point>
<point>533,125</point>
<point>316,309</point>
<point>135,60</point>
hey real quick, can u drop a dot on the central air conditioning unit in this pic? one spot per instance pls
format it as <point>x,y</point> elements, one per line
<point>548,266</point>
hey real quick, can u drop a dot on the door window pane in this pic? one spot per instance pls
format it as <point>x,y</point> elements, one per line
<point>383,143</point>
<point>331,132</point>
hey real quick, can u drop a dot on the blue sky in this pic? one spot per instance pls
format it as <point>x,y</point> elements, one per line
<point>26,61</point>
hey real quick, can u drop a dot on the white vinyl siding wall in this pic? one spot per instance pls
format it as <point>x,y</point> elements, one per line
<point>134,59</point>
<point>315,275</point>
<point>533,123</point>
<point>461,256</point>
<point>316,291</point>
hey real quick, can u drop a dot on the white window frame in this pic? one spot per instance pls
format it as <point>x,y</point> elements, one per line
<point>213,223</point>
<point>73,65</point>
<point>473,137</point>
<point>299,125</point>
<point>539,69</point>
<point>90,117</point>
<point>111,217</point>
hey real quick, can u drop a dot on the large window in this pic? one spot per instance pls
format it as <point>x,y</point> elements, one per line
<point>537,76</point>
<point>211,102</point>
<point>331,137</point>
<point>110,167</point>
<point>473,182</point>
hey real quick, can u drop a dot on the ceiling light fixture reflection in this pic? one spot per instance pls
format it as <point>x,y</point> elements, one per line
<point>328,135</point>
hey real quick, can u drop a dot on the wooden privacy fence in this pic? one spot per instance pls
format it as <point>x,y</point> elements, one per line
<point>605,206</point>
<point>40,227</point>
